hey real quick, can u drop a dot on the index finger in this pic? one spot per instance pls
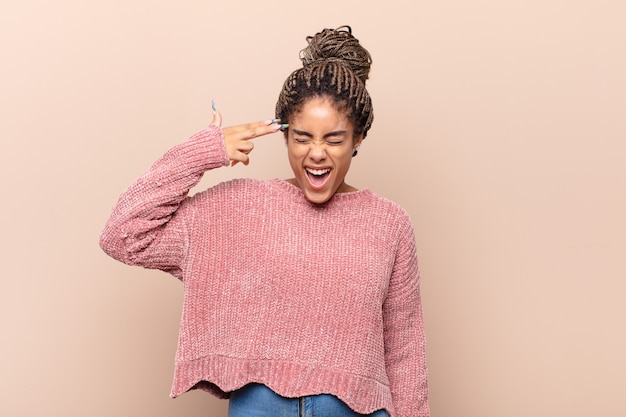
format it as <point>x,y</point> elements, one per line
<point>255,129</point>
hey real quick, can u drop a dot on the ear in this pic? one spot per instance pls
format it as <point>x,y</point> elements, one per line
<point>356,145</point>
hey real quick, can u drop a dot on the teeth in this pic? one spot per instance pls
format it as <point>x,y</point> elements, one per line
<point>318,171</point>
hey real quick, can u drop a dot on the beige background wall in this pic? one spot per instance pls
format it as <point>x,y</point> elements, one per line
<point>500,126</point>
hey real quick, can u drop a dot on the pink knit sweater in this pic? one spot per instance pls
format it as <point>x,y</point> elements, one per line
<point>303,298</point>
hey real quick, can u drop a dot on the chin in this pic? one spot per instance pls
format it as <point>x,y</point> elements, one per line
<point>317,196</point>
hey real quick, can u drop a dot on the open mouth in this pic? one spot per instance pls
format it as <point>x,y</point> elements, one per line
<point>317,177</point>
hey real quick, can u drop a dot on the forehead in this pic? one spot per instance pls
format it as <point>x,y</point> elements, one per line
<point>320,111</point>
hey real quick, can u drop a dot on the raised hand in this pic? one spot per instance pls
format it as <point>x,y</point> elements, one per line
<point>237,138</point>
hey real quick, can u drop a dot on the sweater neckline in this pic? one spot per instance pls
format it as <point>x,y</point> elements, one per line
<point>337,197</point>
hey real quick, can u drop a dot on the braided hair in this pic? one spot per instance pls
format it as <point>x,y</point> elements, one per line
<point>335,66</point>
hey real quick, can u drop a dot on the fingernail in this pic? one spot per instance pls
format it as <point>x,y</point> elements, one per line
<point>273,121</point>
<point>284,127</point>
<point>213,107</point>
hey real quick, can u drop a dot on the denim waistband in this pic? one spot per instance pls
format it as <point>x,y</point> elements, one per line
<point>257,400</point>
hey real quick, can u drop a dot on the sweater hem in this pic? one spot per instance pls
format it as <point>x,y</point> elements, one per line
<point>220,375</point>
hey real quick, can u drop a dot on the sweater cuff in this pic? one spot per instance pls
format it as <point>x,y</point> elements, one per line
<point>209,148</point>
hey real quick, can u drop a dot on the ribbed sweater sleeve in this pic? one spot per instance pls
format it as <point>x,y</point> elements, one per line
<point>143,228</point>
<point>405,344</point>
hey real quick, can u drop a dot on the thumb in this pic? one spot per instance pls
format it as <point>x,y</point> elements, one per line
<point>217,116</point>
<point>217,119</point>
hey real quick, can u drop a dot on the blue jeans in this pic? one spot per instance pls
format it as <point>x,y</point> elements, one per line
<point>256,400</point>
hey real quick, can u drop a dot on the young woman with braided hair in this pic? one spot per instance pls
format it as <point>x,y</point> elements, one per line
<point>302,295</point>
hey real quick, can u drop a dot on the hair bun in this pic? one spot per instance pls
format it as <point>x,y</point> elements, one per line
<point>338,45</point>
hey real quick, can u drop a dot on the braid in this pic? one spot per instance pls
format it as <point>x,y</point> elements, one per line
<point>336,66</point>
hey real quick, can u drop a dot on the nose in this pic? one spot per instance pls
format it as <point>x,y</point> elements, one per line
<point>317,152</point>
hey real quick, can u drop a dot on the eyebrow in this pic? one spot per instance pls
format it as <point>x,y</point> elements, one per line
<point>327,135</point>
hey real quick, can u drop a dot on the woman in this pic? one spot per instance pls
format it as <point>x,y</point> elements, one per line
<point>301,295</point>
